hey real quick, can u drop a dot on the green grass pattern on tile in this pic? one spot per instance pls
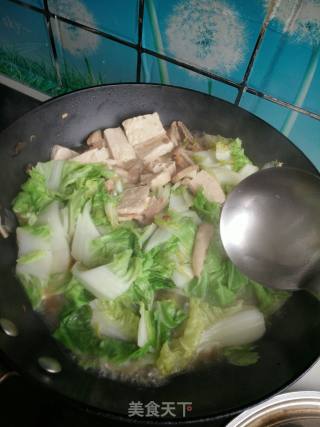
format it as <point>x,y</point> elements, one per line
<point>42,77</point>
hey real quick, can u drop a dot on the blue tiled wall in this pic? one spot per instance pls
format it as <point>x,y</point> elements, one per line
<point>217,37</point>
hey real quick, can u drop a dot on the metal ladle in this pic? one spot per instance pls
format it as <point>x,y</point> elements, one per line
<point>270,228</point>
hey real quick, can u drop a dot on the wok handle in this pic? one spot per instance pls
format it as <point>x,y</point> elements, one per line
<point>6,373</point>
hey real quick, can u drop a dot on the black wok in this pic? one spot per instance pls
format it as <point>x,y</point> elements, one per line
<point>292,342</point>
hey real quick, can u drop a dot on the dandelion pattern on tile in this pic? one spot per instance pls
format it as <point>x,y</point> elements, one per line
<point>207,33</point>
<point>301,20</point>
<point>73,39</point>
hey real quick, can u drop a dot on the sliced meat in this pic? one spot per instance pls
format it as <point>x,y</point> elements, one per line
<point>152,150</point>
<point>146,178</point>
<point>130,217</point>
<point>59,152</point>
<point>96,155</point>
<point>143,128</point>
<point>135,171</point>
<point>182,159</point>
<point>160,165</point>
<point>112,163</point>
<point>130,163</point>
<point>185,133</point>
<point>122,173</point>
<point>118,144</point>
<point>171,167</point>
<point>96,139</point>
<point>186,182</point>
<point>188,172</point>
<point>110,185</point>
<point>200,247</point>
<point>211,187</point>
<point>174,134</point>
<point>179,133</point>
<point>51,306</point>
<point>134,200</point>
<point>155,206</point>
<point>160,179</point>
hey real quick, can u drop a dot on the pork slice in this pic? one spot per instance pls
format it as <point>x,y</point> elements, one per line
<point>59,152</point>
<point>130,217</point>
<point>211,187</point>
<point>160,179</point>
<point>141,129</point>
<point>135,171</point>
<point>112,163</point>
<point>174,134</point>
<point>153,149</point>
<point>181,157</point>
<point>134,200</point>
<point>200,247</point>
<point>130,163</point>
<point>110,185</point>
<point>96,139</point>
<point>188,172</point>
<point>96,155</point>
<point>161,164</point>
<point>155,206</point>
<point>185,133</point>
<point>146,178</point>
<point>122,173</point>
<point>118,144</point>
<point>171,168</point>
<point>179,133</point>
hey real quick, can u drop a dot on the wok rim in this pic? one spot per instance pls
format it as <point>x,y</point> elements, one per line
<point>130,84</point>
<point>92,410</point>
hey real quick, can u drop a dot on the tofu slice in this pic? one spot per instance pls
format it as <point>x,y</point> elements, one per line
<point>143,128</point>
<point>200,247</point>
<point>118,144</point>
<point>96,155</point>
<point>59,152</point>
<point>96,139</point>
<point>152,150</point>
<point>188,172</point>
<point>134,200</point>
<point>211,187</point>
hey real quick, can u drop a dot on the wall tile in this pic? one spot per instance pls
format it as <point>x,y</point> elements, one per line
<point>305,132</point>
<point>25,52</point>
<point>215,35</point>
<point>87,59</point>
<point>287,64</point>
<point>158,71</point>
<point>118,17</point>
<point>38,3</point>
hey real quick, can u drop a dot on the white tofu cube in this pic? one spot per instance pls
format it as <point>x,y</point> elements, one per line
<point>143,128</point>
<point>118,144</point>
